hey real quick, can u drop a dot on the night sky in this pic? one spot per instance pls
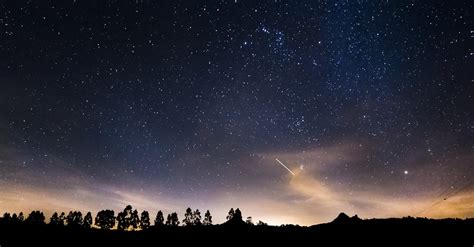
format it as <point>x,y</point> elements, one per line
<point>165,105</point>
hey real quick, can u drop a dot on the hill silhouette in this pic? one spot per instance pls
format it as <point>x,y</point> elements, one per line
<point>132,228</point>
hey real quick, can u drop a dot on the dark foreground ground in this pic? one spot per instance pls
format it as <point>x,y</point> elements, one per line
<point>377,232</point>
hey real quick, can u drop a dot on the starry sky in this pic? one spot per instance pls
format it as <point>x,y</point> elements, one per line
<point>170,104</point>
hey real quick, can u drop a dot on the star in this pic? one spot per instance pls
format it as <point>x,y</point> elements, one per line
<point>189,104</point>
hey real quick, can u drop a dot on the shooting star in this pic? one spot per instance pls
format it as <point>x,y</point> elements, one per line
<point>281,163</point>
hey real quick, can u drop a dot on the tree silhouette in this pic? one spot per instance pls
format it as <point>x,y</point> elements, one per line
<point>15,219</point>
<point>197,218</point>
<point>11,219</point>
<point>54,220</point>
<point>121,222</point>
<point>207,219</point>
<point>261,223</point>
<point>124,218</point>
<point>35,218</point>
<point>188,217</point>
<point>145,220</point>
<point>74,219</point>
<point>134,220</point>
<point>249,221</point>
<point>21,217</point>
<point>237,215</point>
<point>7,218</point>
<point>128,219</point>
<point>159,220</point>
<point>105,219</point>
<point>172,219</point>
<point>62,219</point>
<point>230,215</point>
<point>87,220</point>
<point>168,220</point>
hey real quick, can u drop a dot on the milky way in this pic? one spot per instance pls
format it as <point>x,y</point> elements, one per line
<point>165,105</point>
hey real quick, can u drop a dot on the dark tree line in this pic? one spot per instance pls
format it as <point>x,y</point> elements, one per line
<point>34,218</point>
<point>129,219</point>
<point>13,219</point>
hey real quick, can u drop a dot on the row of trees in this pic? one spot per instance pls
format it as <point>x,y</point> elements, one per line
<point>128,219</point>
<point>73,219</point>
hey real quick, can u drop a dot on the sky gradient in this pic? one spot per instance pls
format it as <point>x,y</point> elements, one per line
<point>170,104</point>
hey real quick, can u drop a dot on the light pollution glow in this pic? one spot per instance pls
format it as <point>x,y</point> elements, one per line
<point>311,196</point>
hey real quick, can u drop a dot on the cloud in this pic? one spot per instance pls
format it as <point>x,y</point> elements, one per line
<point>318,159</point>
<point>315,194</point>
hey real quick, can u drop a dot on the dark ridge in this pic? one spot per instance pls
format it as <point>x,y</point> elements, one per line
<point>343,218</point>
<point>343,230</point>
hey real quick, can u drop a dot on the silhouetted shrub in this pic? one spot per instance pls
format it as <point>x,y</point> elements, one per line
<point>35,218</point>
<point>105,219</point>
<point>159,219</point>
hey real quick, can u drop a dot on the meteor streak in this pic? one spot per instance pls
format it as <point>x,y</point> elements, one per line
<point>281,163</point>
